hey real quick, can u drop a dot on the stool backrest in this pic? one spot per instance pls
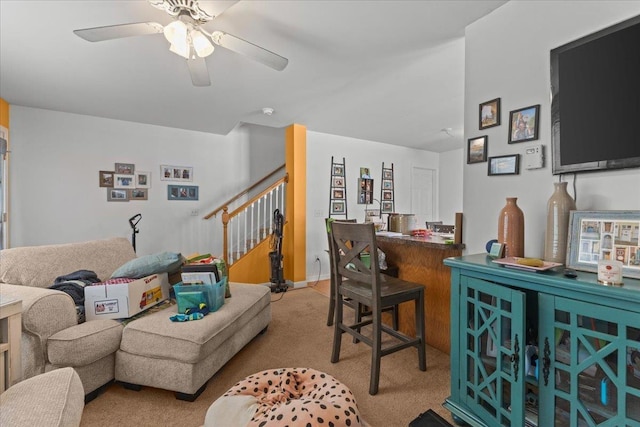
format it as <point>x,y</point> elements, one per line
<point>349,242</point>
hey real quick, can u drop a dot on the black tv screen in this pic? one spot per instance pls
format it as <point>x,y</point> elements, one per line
<point>595,109</point>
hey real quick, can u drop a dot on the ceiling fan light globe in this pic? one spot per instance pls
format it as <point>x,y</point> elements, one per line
<point>181,49</point>
<point>177,30</point>
<point>201,44</point>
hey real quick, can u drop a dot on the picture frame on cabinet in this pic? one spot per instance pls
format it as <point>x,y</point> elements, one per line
<point>489,114</point>
<point>604,235</point>
<point>477,149</point>
<point>106,178</point>
<point>117,195</point>
<point>523,124</point>
<point>504,165</point>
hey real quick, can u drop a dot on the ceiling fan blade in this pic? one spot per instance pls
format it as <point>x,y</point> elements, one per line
<point>250,50</point>
<point>199,72</point>
<point>98,34</point>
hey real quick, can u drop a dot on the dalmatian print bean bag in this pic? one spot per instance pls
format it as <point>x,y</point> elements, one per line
<point>286,397</point>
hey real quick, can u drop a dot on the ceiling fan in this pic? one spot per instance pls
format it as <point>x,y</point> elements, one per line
<point>187,38</point>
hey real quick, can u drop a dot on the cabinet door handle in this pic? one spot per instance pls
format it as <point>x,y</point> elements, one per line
<point>546,361</point>
<point>515,358</point>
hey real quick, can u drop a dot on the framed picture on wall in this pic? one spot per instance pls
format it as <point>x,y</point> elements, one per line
<point>143,179</point>
<point>504,165</point>
<point>338,181</point>
<point>116,195</point>
<point>338,194</point>
<point>139,194</point>
<point>125,168</point>
<point>337,207</point>
<point>477,149</point>
<point>123,181</point>
<point>182,192</point>
<point>176,173</point>
<point>106,178</point>
<point>387,207</point>
<point>490,114</point>
<point>338,170</point>
<point>523,124</point>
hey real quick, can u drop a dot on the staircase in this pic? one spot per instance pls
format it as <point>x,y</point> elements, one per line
<point>249,225</point>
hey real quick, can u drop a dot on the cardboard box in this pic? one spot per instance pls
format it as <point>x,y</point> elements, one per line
<point>120,301</point>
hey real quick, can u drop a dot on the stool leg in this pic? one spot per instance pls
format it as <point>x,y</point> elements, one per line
<point>395,313</point>
<point>337,330</point>
<point>419,305</point>
<point>332,307</point>
<point>376,351</point>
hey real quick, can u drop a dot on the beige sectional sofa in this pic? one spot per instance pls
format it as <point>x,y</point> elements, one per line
<point>151,351</point>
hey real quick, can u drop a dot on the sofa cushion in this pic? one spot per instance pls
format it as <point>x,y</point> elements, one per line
<point>39,266</point>
<point>48,400</point>
<point>147,265</point>
<point>85,343</point>
<point>157,337</point>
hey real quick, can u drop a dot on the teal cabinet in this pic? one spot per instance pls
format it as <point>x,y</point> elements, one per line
<point>531,349</point>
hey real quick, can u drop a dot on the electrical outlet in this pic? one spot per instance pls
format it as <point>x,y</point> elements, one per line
<point>195,212</point>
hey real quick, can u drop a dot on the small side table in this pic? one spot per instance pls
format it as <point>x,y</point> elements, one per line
<point>10,332</point>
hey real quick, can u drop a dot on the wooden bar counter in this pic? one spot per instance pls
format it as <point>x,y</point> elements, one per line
<point>419,260</point>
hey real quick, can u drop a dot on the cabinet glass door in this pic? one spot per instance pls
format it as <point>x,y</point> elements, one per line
<point>492,351</point>
<point>592,373</point>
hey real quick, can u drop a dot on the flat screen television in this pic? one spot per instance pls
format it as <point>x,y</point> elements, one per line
<point>595,107</point>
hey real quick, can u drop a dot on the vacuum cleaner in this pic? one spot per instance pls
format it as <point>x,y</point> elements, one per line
<point>277,280</point>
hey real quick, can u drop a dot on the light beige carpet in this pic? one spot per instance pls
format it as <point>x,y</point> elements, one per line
<point>297,337</point>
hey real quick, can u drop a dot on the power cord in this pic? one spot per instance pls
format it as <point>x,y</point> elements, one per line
<point>319,272</point>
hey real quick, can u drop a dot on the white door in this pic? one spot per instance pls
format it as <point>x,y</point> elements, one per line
<point>423,204</point>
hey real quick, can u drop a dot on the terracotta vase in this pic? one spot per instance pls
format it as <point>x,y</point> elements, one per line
<point>511,228</point>
<point>559,206</point>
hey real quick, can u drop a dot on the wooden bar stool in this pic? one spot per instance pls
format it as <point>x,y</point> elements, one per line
<point>366,286</point>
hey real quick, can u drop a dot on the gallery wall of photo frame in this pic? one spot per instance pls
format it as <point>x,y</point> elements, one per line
<point>124,183</point>
<point>524,124</point>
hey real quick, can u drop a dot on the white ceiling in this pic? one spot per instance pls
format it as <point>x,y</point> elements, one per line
<point>386,71</point>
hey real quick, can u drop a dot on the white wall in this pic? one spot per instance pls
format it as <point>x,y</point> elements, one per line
<point>357,153</point>
<point>266,150</point>
<point>54,190</point>
<point>507,57</point>
<point>55,197</point>
<point>450,185</point>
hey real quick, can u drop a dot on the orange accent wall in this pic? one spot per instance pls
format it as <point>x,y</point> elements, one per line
<point>255,267</point>
<point>4,113</point>
<point>294,245</point>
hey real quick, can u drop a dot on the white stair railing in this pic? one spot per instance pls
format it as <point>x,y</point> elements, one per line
<point>252,222</point>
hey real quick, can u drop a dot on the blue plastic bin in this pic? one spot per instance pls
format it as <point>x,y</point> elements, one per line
<point>213,295</point>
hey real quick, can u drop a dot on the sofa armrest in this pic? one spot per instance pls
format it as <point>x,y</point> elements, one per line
<point>54,399</point>
<point>44,313</point>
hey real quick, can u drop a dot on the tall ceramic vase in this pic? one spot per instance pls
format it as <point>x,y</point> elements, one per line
<point>558,208</point>
<point>511,228</point>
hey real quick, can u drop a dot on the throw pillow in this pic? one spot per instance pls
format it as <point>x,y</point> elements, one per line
<point>147,265</point>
